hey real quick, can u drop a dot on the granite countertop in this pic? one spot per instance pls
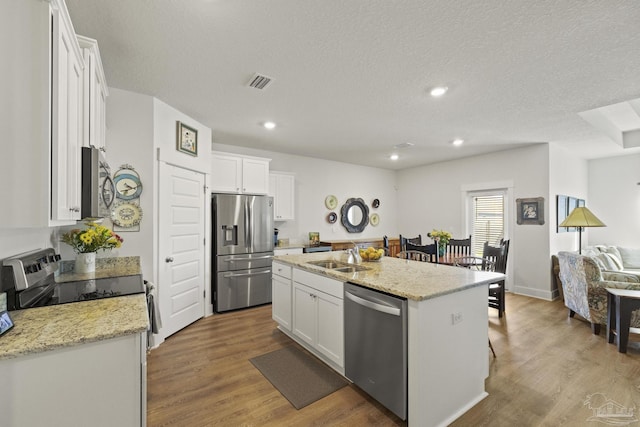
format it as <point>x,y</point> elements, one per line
<point>414,280</point>
<point>57,326</point>
<point>48,328</point>
<point>105,267</point>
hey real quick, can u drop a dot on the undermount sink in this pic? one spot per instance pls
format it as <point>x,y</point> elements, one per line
<point>350,269</point>
<point>338,266</point>
<point>328,264</point>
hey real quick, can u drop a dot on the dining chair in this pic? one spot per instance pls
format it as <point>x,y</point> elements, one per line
<point>493,259</point>
<point>412,256</point>
<point>458,248</point>
<point>414,240</point>
<point>430,251</point>
<point>498,257</point>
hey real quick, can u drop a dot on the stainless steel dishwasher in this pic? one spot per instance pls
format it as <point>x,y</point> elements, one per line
<point>375,336</point>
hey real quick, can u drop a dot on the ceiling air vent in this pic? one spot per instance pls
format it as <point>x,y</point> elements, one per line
<point>258,81</point>
<point>404,145</point>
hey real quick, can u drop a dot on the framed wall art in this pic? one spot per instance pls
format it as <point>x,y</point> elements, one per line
<point>187,139</point>
<point>530,211</point>
<point>562,211</point>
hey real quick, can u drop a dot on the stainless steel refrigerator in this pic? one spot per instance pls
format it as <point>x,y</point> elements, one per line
<point>243,250</point>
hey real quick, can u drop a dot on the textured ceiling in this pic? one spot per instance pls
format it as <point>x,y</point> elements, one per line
<point>351,78</point>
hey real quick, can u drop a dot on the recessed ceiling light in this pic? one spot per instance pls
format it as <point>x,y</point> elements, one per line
<point>457,142</point>
<point>269,125</point>
<point>439,91</point>
<point>394,157</point>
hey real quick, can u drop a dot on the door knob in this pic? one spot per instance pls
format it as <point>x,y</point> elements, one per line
<point>169,259</point>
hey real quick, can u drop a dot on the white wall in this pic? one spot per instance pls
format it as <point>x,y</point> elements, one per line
<point>431,197</point>
<point>315,179</point>
<point>130,141</point>
<point>568,177</point>
<point>614,197</point>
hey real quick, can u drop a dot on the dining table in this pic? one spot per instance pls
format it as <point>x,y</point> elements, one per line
<point>465,261</point>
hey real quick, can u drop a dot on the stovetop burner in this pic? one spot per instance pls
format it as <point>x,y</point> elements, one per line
<point>29,280</point>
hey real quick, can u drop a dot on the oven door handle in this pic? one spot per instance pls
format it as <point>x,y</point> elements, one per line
<point>233,275</point>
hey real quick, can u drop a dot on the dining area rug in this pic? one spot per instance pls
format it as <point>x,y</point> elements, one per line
<point>298,376</point>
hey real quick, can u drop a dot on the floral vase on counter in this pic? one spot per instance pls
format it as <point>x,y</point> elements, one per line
<point>85,262</point>
<point>86,242</point>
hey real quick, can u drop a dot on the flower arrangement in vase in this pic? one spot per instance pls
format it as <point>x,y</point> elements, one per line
<point>441,238</point>
<point>86,242</point>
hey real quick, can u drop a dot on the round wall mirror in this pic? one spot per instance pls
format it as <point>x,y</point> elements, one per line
<point>355,215</point>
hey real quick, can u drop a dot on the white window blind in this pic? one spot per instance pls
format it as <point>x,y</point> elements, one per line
<point>488,221</point>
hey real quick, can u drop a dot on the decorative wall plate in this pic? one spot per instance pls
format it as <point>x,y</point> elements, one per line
<point>332,217</point>
<point>374,220</point>
<point>126,214</point>
<point>331,202</point>
<point>128,186</point>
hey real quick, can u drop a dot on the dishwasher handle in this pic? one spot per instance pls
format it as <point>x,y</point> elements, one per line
<point>373,305</point>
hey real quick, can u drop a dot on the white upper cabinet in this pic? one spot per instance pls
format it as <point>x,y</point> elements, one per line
<point>282,188</point>
<point>231,173</point>
<point>43,103</point>
<point>94,96</point>
<point>66,119</point>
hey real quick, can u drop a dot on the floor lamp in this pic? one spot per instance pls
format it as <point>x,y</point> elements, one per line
<point>581,217</point>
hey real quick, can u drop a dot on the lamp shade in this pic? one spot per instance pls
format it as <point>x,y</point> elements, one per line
<point>582,217</point>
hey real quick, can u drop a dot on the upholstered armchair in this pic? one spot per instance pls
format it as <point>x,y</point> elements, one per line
<point>584,288</point>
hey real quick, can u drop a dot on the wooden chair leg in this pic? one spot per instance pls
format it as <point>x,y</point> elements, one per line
<point>571,313</point>
<point>595,327</point>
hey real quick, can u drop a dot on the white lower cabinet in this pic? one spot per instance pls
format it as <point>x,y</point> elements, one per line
<point>318,316</point>
<point>95,384</point>
<point>281,294</point>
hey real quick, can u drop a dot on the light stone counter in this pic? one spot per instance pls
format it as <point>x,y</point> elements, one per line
<point>48,328</point>
<point>410,279</point>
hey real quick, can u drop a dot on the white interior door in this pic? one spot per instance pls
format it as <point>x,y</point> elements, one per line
<point>181,215</point>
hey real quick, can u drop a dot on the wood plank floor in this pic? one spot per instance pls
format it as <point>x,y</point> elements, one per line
<point>547,367</point>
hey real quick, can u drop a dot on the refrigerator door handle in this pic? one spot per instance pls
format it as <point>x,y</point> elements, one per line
<point>232,275</point>
<point>247,223</point>
<point>248,258</point>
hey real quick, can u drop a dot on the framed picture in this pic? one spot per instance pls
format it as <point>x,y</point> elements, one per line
<point>573,203</point>
<point>530,211</point>
<point>314,238</point>
<point>562,211</point>
<point>187,140</point>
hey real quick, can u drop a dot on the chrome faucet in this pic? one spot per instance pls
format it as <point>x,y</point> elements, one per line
<point>354,255</point>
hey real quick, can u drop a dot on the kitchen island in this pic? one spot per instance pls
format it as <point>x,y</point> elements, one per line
<point>82,363</point>
<point>447,328</point>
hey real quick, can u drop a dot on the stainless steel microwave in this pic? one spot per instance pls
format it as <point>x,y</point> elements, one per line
<point>98,191</point>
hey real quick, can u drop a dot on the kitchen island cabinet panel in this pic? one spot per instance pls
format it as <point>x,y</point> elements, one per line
<point>317,311</point>
<point>95,384</point>
<point>447,326</point>
<point>281,291</point>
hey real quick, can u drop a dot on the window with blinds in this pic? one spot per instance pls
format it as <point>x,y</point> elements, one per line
<point>488,221</point>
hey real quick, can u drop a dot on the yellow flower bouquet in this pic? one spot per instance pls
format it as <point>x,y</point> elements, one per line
<point>92,239</point>
<point>440,236</point>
